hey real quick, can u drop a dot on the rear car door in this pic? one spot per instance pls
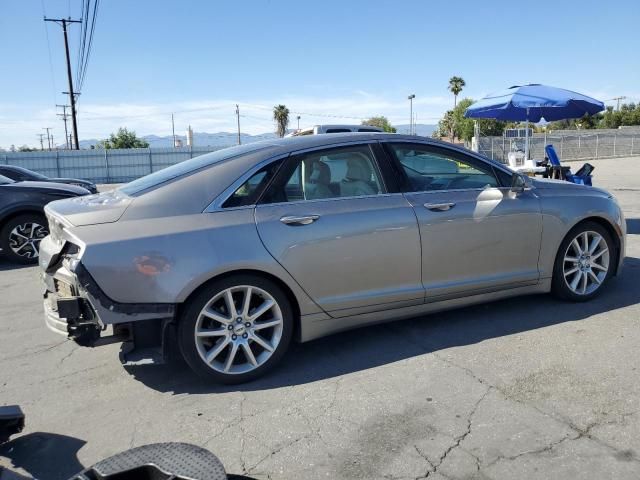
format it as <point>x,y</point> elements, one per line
<point>477,235</point>
<point>350,243</point>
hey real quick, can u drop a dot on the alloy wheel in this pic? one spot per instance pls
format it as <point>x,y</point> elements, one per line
<point>239,329</point>
<point>586,263</point>
<point>24,239</point>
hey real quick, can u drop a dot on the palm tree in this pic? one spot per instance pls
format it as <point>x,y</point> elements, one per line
<point>456,85</point>
<point>281,117</point>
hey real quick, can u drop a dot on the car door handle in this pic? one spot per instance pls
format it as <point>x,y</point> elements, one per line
<point>439,207</point>
<point>302,220</point>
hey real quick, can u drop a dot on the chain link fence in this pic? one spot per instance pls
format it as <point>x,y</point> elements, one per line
<point>583,146</point>
<point>102,166</point>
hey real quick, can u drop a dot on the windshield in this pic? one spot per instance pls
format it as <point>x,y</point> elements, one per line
<point>4,180</point>
<point>187,167</point>
<point>30,174</point>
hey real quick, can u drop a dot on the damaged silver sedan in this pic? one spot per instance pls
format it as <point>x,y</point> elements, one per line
<point>234,254</point>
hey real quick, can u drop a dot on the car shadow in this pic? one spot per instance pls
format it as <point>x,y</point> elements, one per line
<point>373,346</point>
<point>44,455</point>
<point>7,265</point>
<point>633,226</point>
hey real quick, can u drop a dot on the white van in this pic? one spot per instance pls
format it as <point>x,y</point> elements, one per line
<point>319,129</point>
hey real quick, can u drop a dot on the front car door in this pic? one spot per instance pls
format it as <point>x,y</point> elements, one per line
<point>477,235</point>
<point>352,244</point>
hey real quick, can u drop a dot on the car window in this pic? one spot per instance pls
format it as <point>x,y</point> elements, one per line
<point>429,168</point>
<point>249,192</point>
<point>338,130</point>
<point>22,174</point>
<point>335,173</point>
<point>4,180</point>
<point>187,167</point>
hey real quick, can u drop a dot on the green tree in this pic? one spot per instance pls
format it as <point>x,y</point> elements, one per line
<point>281,117</point>
<point>455,125</point>
<point>26,148</point>
<point>123,138</point>
<point>456,84</point>
<point>380,122</point>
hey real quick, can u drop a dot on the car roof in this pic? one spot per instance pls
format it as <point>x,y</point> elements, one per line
<point>326,139</point>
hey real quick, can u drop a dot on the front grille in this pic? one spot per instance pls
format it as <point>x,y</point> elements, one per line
<point>63,289</point>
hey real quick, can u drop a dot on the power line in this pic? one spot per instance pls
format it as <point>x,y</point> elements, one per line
<point>53,81</point>
<point>87,44</point>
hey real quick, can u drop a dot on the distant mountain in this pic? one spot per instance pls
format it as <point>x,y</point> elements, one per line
<point>422,129</point>
<point>203,139</point>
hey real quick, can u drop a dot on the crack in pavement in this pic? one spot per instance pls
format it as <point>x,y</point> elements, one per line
<point>457,440</point>
<point>581,432</point>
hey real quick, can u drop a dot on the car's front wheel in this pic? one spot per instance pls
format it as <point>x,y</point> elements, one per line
<point>584,262</point>
<point>236,329</point>
<point>20,237</point>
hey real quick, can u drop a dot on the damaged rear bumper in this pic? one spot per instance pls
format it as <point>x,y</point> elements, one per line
<point>75,306</point>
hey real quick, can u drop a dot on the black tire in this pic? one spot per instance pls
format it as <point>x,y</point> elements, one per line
<point>29,256</point>
<point>189,318</point>
<point>559,286</point>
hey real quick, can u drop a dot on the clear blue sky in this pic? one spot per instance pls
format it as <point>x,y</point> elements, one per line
<point>351,58</point>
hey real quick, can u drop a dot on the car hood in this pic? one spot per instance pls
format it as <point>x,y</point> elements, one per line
<point>562,185</point>
<point>105,207</point>
<point>50,187</point>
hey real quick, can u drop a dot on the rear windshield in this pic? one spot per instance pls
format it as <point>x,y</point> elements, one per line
<point>29,173</point>
<point>4,180</point>
<point>187,167</point>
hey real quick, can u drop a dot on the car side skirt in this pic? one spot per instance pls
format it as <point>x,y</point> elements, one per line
<point>312,328</point>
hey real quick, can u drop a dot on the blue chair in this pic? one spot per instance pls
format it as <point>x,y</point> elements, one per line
<point>581,177</point>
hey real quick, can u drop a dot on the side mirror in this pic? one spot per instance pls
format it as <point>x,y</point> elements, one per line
<point>519,183</point>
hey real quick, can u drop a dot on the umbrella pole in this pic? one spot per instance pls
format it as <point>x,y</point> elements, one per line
<point>526,138</point>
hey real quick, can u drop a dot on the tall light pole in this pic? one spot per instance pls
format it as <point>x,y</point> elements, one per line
<point>410,98</point>
<point>298,122</point>
<point>238,118</point>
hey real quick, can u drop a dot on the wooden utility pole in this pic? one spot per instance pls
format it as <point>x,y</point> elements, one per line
<point>64,116</point>
<point>72,95</point>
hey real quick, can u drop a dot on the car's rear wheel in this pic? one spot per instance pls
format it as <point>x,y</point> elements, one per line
<point>20,237</point>
<point>584,262</point>
<point>236,329</point>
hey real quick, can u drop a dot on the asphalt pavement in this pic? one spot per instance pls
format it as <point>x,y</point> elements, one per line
<point>529,388</point>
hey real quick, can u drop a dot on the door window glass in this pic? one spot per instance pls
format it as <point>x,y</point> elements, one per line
<point>335,173</point>
<point>435,169</point>
<point>249,191</point>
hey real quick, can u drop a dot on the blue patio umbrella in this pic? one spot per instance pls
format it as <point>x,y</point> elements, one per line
<point>531,103</point>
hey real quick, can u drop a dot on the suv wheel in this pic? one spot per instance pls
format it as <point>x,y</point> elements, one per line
<point>20,237</point>
<point>236,329</point>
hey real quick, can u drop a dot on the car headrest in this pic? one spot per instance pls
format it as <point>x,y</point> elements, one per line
<point>358,169</point>
<point>320,173</point>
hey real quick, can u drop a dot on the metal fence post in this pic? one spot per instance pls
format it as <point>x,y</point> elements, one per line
<point>614,144</point>
<point>579,146</point>
<point>561,144</point>
<point>491,148</point>
<point>190,151</point>
<point>632,137</point>
<point>597,142</point>
<point>503,140</point>
<point>58,164</point>
<point>106,165</point>
<point>150,161</point>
